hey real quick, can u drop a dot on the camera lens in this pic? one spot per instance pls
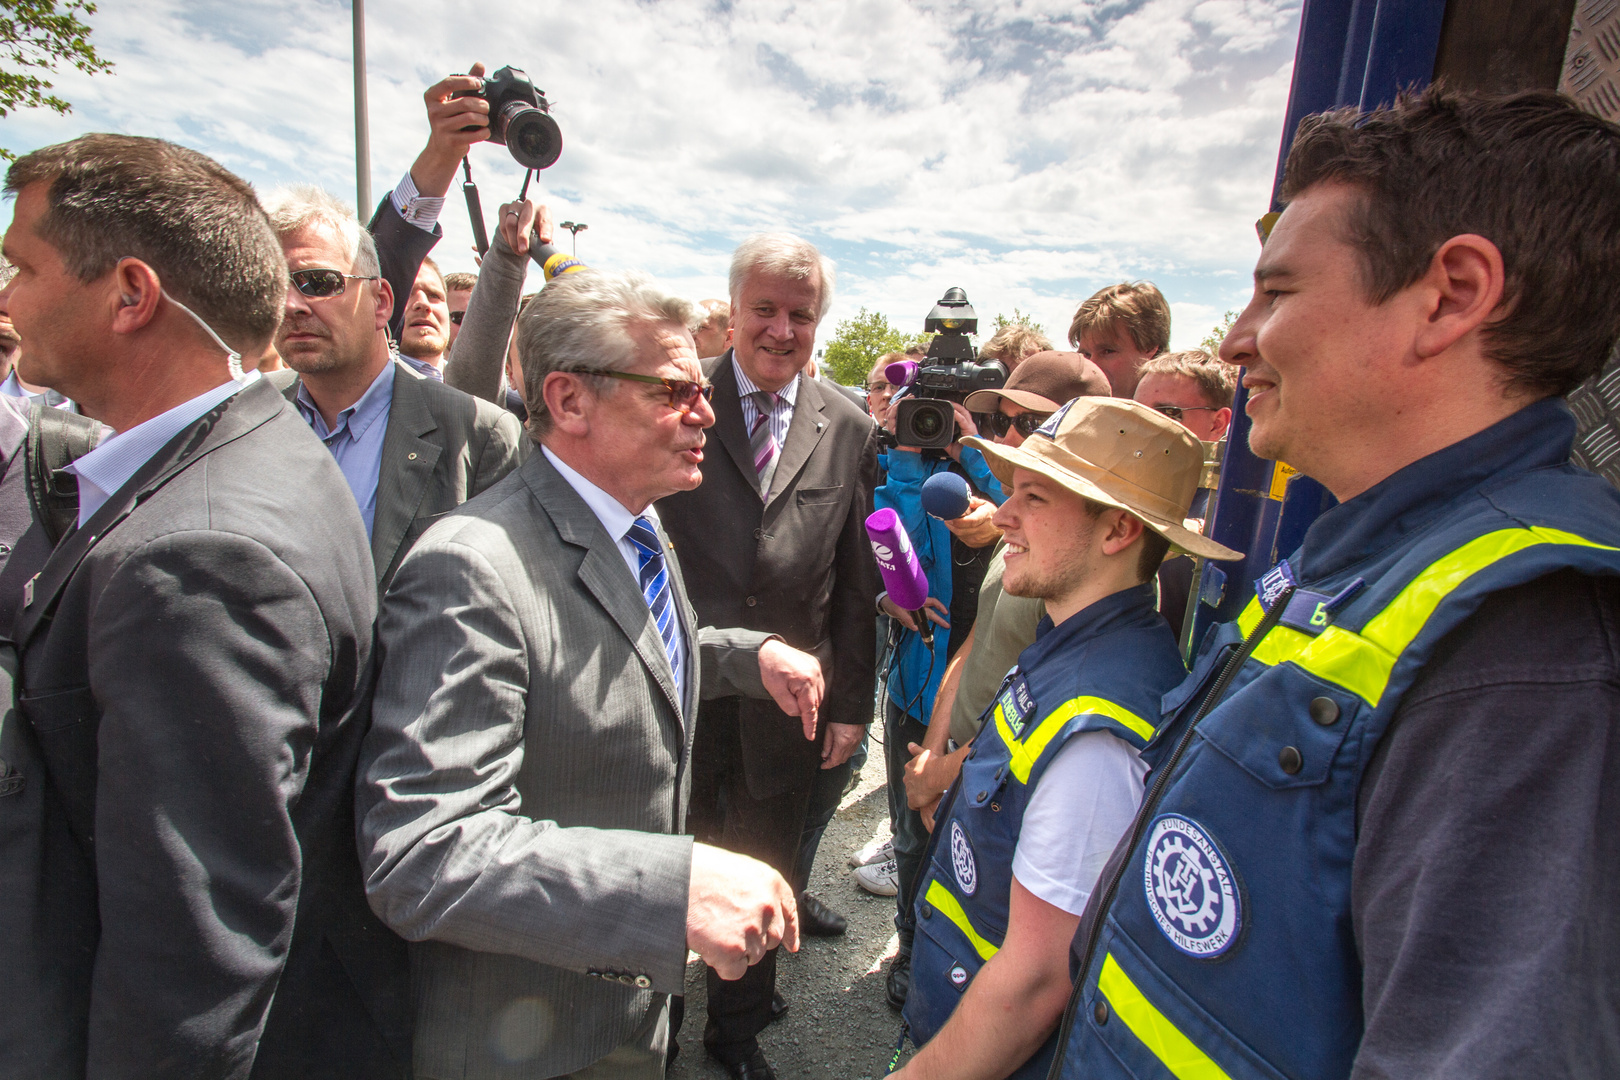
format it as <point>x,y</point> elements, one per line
<point>533,137</point>
<point>926,424</point>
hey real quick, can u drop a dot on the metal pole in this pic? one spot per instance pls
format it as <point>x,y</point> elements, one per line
<point>362,126</point>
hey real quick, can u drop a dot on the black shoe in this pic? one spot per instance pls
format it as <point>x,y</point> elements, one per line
<point>779,1007</point>
<point>898,983</point>
<point>819,920</point>
<point>744,1064</point>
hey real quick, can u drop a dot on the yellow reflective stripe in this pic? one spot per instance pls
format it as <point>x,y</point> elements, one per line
<point>946,904</point>
<point>1026,752</point>
<point>1362,663</point>
<point>1173,1049</point>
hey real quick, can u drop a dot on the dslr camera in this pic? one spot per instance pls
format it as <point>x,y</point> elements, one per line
<point>949,373</point>
<point>520,118</point>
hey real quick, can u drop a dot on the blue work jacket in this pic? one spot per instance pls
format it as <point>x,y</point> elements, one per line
<point>1104,669</point>
<point>1225,947</point>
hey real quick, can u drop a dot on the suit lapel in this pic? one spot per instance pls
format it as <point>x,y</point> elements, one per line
<point>728,417</point>
<point>603,571</point>
<point>407,465</point>
<point>803,434</point>
<point>237,415</point>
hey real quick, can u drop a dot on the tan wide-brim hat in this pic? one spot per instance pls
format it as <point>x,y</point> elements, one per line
<point>1122,454</point>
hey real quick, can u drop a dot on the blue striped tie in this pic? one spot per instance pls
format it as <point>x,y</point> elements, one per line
<point>655,589</point>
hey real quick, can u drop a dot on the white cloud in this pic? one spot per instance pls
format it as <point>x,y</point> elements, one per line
<point>1030,151</point>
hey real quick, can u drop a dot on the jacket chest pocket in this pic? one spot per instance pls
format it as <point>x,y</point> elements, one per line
<point>1285,727</point>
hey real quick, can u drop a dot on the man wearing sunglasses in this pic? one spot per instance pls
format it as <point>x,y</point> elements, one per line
<point>1191,387</point>
<point>412,449</point>
<point>524,784</point>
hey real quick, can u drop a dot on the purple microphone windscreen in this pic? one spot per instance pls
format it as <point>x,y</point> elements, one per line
<point>901,373</point>
<point>945,495</point>
<point>903,577</point>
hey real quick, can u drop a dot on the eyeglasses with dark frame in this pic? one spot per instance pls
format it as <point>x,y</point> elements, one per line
<point>1174,411</point>
<point>319,282</point>
<point>683,393</point>
<point>1026,423</point>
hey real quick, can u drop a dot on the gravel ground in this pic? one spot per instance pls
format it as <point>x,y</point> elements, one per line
<point>838,1024</point>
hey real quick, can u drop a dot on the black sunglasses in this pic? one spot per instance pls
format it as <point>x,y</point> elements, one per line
<point>457,316</point>
<point>683,393</point>
<point>1174,411</point>
<point>320,283</point>
<point>1026,423</point>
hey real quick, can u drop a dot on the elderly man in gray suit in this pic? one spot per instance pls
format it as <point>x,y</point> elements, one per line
<point>524,785</point>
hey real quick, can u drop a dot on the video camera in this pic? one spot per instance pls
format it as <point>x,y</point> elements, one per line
<point>949,373</point>
<point>520,118</point>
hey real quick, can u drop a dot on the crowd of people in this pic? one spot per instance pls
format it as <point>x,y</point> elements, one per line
<point>404,672</point>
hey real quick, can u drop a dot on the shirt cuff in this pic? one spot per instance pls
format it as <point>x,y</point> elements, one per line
<point>418,209</point>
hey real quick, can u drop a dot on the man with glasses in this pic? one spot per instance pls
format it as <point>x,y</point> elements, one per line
<point>524,784</point>
<point>1196,390</point>
<point>412,449</point>
<point>1191,387</point>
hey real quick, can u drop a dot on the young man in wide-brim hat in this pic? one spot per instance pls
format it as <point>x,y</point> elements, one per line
<point>1100,494</point>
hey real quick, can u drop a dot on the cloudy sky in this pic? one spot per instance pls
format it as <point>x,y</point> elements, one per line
<point>1030,151</point>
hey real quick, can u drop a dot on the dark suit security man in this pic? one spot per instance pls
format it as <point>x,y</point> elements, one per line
<point>774,539</point>
<point>411,448</point>
<point>195,659</point>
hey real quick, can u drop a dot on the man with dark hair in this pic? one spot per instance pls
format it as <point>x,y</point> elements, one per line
<point>458,289</point>
<point>1099,492</point>
<point>425,336</point>
<point>195,660</point>
<point>1385,838</point>
<point>1120,327</point>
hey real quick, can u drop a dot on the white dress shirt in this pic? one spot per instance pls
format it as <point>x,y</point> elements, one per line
<point>109,466</point>
<point>617,521</point>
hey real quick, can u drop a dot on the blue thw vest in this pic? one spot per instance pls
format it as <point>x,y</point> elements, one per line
<point>1227,949</point>
<point>1104,669</point>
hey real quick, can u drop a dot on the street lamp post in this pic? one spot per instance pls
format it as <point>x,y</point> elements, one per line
<point>362,127</point>
<point>576,228</point>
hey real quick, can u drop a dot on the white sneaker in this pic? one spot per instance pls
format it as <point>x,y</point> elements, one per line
<point>875,850</point>
<point>881,878</point>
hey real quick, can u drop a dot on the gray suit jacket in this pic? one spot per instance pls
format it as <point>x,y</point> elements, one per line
<point>442,448</point>
<point>524,784</point>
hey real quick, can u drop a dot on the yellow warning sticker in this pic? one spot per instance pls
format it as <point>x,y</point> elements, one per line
<point>1281,473</point>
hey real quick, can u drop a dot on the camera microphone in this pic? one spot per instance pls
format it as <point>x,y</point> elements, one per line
<point>901,373</point>
<point>945,496</point>
<point>903,575</point>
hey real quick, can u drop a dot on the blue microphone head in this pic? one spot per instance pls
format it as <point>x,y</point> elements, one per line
<point>945,495</point>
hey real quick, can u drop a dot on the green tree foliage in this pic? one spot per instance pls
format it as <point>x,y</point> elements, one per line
<point>1212,341</point>
<point>857,344</point>
<point>1018,319</point>
<point>36,36</point>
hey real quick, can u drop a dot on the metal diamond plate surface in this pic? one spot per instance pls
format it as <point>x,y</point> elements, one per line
<point>1592,77</point>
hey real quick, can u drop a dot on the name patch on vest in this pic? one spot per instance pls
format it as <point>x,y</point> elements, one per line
<point>1017,703</point>
<point>963,864</point>
<point>1189,888</point>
